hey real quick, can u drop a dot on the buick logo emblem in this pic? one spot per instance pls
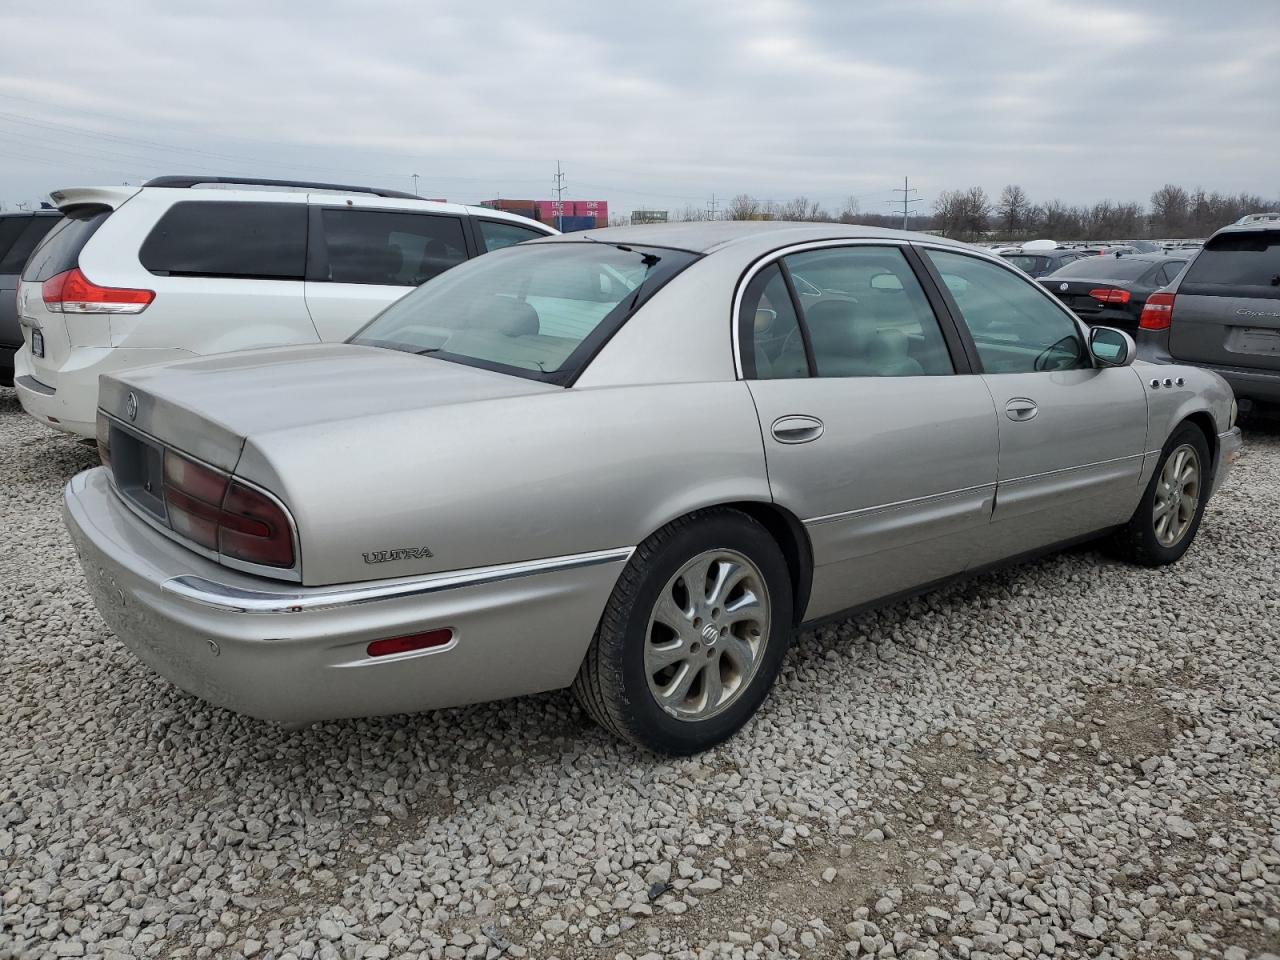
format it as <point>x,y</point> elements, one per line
<point>131,405</point>
<point>1062,287</point>
<point>710,634</point>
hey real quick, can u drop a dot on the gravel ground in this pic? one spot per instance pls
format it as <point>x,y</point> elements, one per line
<point>1074,757</point>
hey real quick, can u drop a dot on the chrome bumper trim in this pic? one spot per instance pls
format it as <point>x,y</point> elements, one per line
<point>208,593</point>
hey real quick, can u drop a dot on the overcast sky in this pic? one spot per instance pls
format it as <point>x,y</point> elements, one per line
<point>655,104</point>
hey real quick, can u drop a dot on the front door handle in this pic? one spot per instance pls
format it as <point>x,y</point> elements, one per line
<point>797,429</point>
<point>1020,409</point>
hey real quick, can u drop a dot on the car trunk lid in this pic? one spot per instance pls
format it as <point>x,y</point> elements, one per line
<point>207,407</point>
<point>1078,293</point>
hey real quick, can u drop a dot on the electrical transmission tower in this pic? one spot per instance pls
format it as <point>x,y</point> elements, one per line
<point>906,190</point>
<point>559,197</point>
<point>712,206</point>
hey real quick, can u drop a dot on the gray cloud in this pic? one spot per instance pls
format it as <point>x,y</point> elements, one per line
<point>657,104</point>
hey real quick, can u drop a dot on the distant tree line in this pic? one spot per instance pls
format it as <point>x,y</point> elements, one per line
<point>970,214</point>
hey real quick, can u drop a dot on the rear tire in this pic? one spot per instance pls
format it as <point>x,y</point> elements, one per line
<point>678,667</point>
<point>1165,523</point>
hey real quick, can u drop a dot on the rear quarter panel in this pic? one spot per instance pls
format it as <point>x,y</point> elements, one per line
<point>506,480</point>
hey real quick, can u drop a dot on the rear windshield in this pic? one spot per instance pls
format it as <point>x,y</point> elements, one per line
<point>539,311</point>
<point>1104,268</point>
<point>60,249</point>
<point>1024,262</point>
<point>1244,259</point>
<point>31,232</point>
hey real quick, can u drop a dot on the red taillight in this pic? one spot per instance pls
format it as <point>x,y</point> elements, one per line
<point>1157,314</point>
<point>219,513</point>
<point>73,292</point>
<point>1109,295</point>
<point>417,641</point>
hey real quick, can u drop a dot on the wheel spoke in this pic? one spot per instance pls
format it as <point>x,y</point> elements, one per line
<point>660,655</point>
<point>739,653</point>
<point>669,613</point>
<point>746,607</point>
<point>712,688</point>
<point>1188,504</point>
<point>678,689</point>
<point>695,579</point>
<point>727,574</point>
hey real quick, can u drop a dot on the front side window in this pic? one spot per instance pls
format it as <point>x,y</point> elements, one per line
<point>539,311</point>
<point>497,234</point>
<point>866,314</point>
<point>1016,327</point>
<point>194,238</point>
<point>388,247</point>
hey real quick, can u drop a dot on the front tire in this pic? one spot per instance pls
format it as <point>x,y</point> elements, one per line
<point>693,635</point>
<point>1168,516</point>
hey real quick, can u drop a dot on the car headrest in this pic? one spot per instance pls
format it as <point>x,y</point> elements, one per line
<point>837,327</point>
<point>515,318</point>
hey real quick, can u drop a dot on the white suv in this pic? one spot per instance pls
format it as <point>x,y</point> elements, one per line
<point>167,271</point>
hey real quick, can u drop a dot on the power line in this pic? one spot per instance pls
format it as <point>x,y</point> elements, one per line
<point>906,190</point>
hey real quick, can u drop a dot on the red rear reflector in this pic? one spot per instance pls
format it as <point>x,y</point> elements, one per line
<point>1157,314</point>
<point>73,292</point>
<point>1108,295</point>
<point>415,641</point>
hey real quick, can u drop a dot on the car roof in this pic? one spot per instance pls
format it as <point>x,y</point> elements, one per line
<point>708,236</point>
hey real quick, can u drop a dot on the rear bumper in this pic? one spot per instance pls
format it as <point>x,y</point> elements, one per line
<point>294,654</point>
<point>67,398</point>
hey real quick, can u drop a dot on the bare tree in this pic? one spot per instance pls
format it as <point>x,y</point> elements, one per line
<point>743,207</point>
<point>802,208</point>
<point>849,212</point>
<point>690,213</point>
<point>1014,211</point>
<point>1169,210</point>
<point>963,214</point>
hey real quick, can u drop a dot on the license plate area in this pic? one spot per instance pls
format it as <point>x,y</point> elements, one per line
<point>1259,341</point>
<point>138,469</point>
<point>37,343</point>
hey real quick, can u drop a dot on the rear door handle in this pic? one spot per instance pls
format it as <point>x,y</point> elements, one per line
<point>1020,408</point>
<point>797,429</point>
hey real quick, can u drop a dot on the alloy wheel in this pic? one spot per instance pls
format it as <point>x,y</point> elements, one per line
<point>1177,495</point>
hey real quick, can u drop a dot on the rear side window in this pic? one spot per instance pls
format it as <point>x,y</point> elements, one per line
<point>1245,259</point>
<point>266,241</point>
<point>1024,262</point>
<point>774,345</point>
<point>1169,272</point>
<point>34,230</point>
<point>498,235</point>
<point>60,249</point>
<point>390,248</point>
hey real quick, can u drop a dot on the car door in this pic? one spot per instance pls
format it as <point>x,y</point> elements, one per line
<point>1072,434</point>
<point>364,255</point>
<point>876,435</point>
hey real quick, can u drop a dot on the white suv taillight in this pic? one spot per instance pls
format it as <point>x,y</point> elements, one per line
<point>73,292</point>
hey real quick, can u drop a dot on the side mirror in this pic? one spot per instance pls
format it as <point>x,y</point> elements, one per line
<point>1111,347</point>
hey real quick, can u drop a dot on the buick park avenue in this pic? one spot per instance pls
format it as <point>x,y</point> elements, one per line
<point>634,462</point>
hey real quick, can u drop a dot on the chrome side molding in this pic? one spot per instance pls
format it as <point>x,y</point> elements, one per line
<point>221,596</point>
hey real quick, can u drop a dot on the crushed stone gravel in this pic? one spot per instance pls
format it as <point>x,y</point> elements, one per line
<point>1073,757</point>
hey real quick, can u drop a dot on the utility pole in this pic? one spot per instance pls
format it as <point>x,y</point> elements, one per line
<point>559,198</point>
<point>415,186</point>
<point>711,207</point>
<point>906,190</point>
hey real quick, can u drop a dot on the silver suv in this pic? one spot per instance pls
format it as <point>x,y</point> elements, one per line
<point>1223,313</point>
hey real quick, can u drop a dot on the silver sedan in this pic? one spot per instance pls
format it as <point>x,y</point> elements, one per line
<point>632,461</point>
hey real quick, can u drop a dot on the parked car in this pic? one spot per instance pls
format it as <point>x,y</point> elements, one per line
<point>19,234</point>
<point>1041,262</point>
<point>632,461</point>
<point>1223,312</point>
<point>1143,246</point>
<point>170,270</point>
<point>1111,290</point>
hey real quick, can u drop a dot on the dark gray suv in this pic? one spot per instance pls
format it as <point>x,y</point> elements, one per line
<point>1223,313</point>
<point>19,234</point>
